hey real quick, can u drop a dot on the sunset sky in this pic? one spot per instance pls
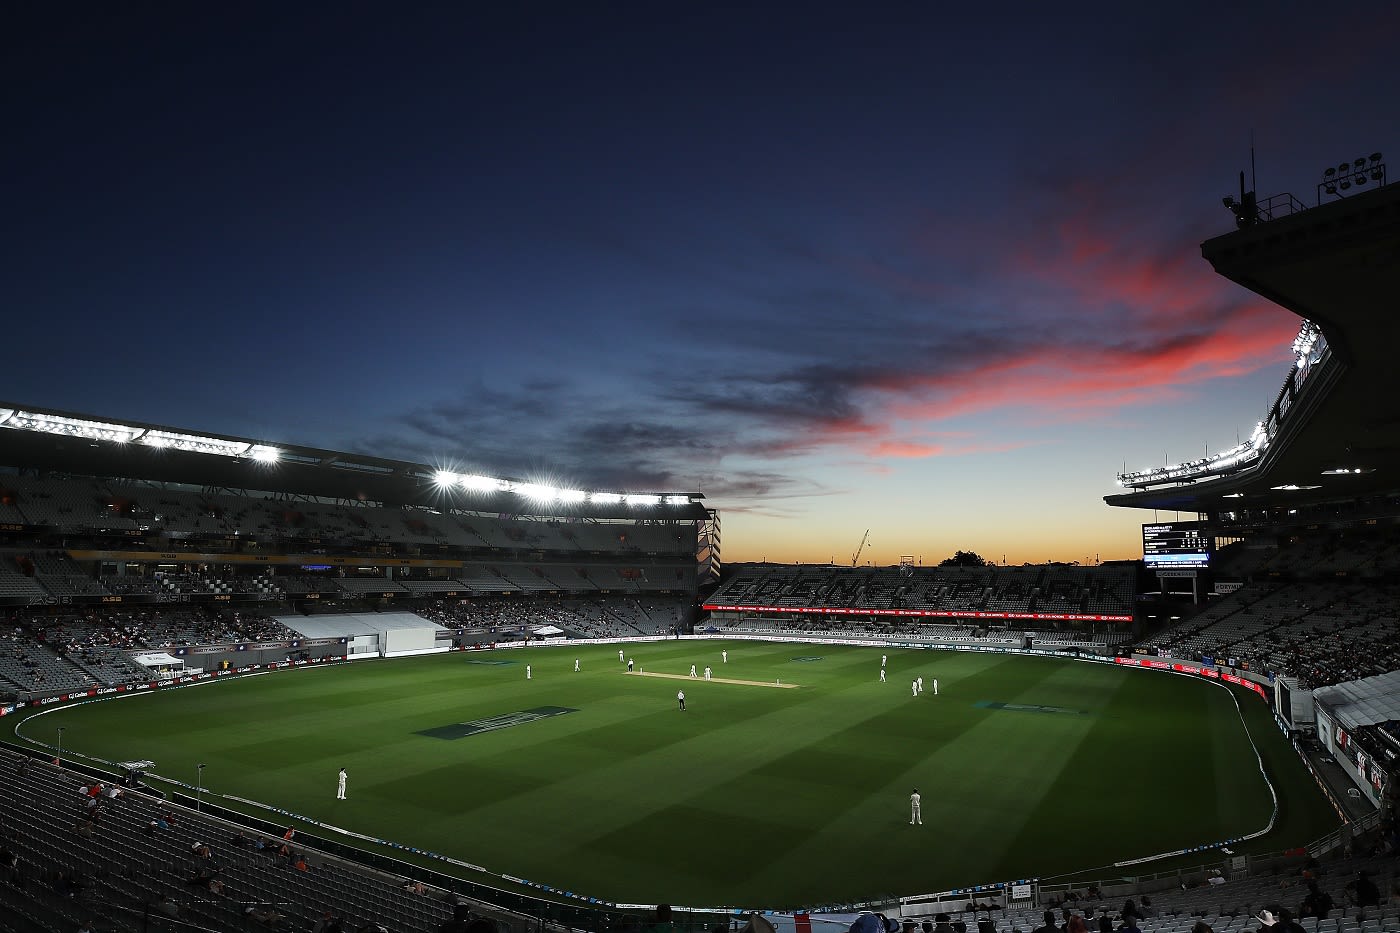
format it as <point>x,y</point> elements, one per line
<point>923,269</point>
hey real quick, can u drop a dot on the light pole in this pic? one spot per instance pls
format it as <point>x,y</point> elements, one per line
<point>59,758</point>
<point>199,787</point>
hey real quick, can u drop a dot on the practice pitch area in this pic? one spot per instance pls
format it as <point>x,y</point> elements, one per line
<point>594,782</point>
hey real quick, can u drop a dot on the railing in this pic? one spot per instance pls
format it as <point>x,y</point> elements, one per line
<point>1279,205</point>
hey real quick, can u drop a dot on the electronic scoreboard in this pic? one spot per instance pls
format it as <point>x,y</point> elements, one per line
<point>1176,546</point>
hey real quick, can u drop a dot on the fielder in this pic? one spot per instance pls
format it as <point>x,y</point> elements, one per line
<point>707,672</point>
<point>619,656</point>
<point>527,672</point>
<point>575,665</point>
<point>692,671</point>
<point>914,686</point>
<point>725,655</point>
<point>935,686</point>
<point>882,675</point>
<point>340,786</point>
<point>914,815</point>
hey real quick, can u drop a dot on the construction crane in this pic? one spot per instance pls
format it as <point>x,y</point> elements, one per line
<point>855,558</point>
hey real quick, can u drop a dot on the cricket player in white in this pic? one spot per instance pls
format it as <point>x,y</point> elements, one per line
<point>914,815</point>
<point>680,698</point>
<point>883,659</point>
<point>707,672</point>
<point>340,786</point>
<point>725,655</point>
<point>921,685</point>
<point>527,672</point>
<point>914,686</point>
<point>692,671</point>
<point>619,655</point>
<point>935,686</point>
<point>882,675</point>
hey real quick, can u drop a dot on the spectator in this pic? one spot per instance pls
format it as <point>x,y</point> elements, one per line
<point>1317,903</point>
<point>1363,891</point>
<point>1049,925</point>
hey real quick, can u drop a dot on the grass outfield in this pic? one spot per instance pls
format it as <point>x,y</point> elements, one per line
<point>752,796</point>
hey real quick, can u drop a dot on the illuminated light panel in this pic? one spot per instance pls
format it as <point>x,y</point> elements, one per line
<point>264,454</point>
<point>536,492</point>
<point>677,500</point>
<point>1292,487</point>
<point>1233,495</point>
<point>5,414</point>
<point>73,427</point>
<point>445,478</point>
<point>195,443</point>
<point>478,483</point>
<point>606,498</point>
<point>572,495</point>
<point>1348,471</point>
<point>641,498</point>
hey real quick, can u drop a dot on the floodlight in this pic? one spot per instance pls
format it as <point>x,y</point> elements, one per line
<point>445,477</point>
<point>5,414</point>
<point>678,500</point>
<point>1328,172</point>
<point>1359,178</point>
<point>642,498</point>
<point>264,454</point>
<point>1377,173</point>
<point>537,492</point>
<point>478,483</point>
<point>572,495</point>
<point>1375,157</point>
<point>605,498</point>
<point>73,427</point>
<point>1344,185</point>
<point>195,443</point>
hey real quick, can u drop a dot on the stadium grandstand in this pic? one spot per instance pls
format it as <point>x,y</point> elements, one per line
<point>134,556</point>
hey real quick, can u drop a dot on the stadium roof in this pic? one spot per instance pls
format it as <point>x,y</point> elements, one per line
<point>1337,265</point>
<point>1364,702</point>
<point>50,440</point>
